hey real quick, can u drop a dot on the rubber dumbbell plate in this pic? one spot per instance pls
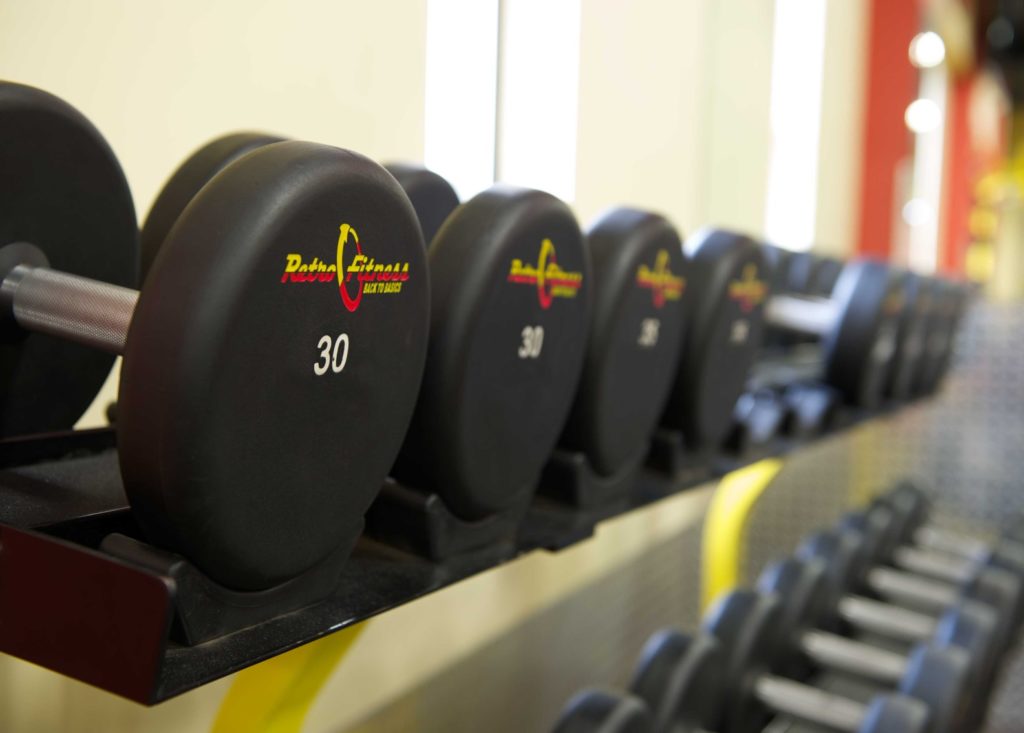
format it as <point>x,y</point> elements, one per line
<point>260,413</point>
<point>62,191</point>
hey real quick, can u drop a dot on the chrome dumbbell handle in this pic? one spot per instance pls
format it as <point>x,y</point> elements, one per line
<point>944,541</point>
<point>847,655</point>
<point>810,703</point>
<point>909,588</point>
<point>881,618</point>
<point>75,308</point>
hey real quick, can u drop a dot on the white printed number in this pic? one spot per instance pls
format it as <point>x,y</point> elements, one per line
<point>649,333</point>
<point>333,354</point>
<point>740,331</point>
<point>533,342</point>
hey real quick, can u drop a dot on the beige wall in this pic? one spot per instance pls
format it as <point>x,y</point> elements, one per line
<point>642,115</point>
<point>674,113</point>
<point>738,138</point>
<point>842,126</point>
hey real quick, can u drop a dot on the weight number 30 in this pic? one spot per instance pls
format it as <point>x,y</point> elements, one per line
<point>533,342</point>
<point>333,354</point>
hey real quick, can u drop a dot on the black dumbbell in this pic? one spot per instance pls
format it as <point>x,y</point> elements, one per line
<point>910,508</point>
<point>949,303</point>
<point>703,683</point>
<point>937,672</point>
<point>186,181</point>
<point>727,291</point>
<point>511,302</point>
<point>964,618</point>
<point>681,679</point>
<point>62,185</point>
<point>746,624</point>
<point>258,414</point>
<point>637,329</point>
<point>824,276</point>
<point>856,326</point>
<point>433,197</point>
<point>924,579</point>
<point>603,711</point>
<point>909,356</point>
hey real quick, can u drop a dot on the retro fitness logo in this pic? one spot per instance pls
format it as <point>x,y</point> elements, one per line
<point>550,280</point>
<point>749,291</point>
<point>664,285</point>
<point>359,274</point>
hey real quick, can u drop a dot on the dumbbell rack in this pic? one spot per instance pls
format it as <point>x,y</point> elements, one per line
<point>81,595</point>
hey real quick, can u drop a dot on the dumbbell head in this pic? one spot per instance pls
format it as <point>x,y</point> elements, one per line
<point>859,350</point>
<point>802,587</point>
<point>603,711</point>
<point>194,173</point>
<point>431,195</point>
<point>64,195</point>
<point>679,677</point>
<point>910,508</point>
<point>995,577</point>
<point>856,325</point>
<point>802,271</point>
<point>949,301</point>
<point>257,413</point>
<point>850,552</point>
<point>777,263</point>
<point>745,624</point>
<point>637,328</point>
<point>936,672</point>
<point>727,290</point>
<point>511,301</point>
<point>910,338</point>
<point>825,276</point>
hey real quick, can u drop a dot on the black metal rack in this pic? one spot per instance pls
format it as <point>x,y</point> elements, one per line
<point>82,594</point>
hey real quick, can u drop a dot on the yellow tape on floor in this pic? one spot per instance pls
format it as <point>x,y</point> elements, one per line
<point>724,527</point>
<point>276,695</point>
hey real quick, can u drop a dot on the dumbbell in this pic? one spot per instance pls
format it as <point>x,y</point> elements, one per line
<point>746,625</point>
<point>949,303</point>
<point>186,181</point>
<point>909,355</point>
<point>950,568</point>
<point>910,508</point>
<point>257,415</point>
<point>432,196</point>
<point>964,618</point>
<point>723,682</point>
<point>867,537</point>
<point>727,290</point>
<point>493,460</point>
<point>799,273</point>
<point>680,678</point>
<point>925,578</point>
<point>510,302</point>
<point>603,711</point>
<point>856,326</point>
<point>937,672</point>
<point>808,273</point>
<point>637,327</point>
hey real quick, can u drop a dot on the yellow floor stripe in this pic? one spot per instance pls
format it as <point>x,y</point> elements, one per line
<point>731,505</point>
<point>276,695</point>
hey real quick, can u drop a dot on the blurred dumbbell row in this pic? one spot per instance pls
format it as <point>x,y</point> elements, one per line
<point>883,623</point>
